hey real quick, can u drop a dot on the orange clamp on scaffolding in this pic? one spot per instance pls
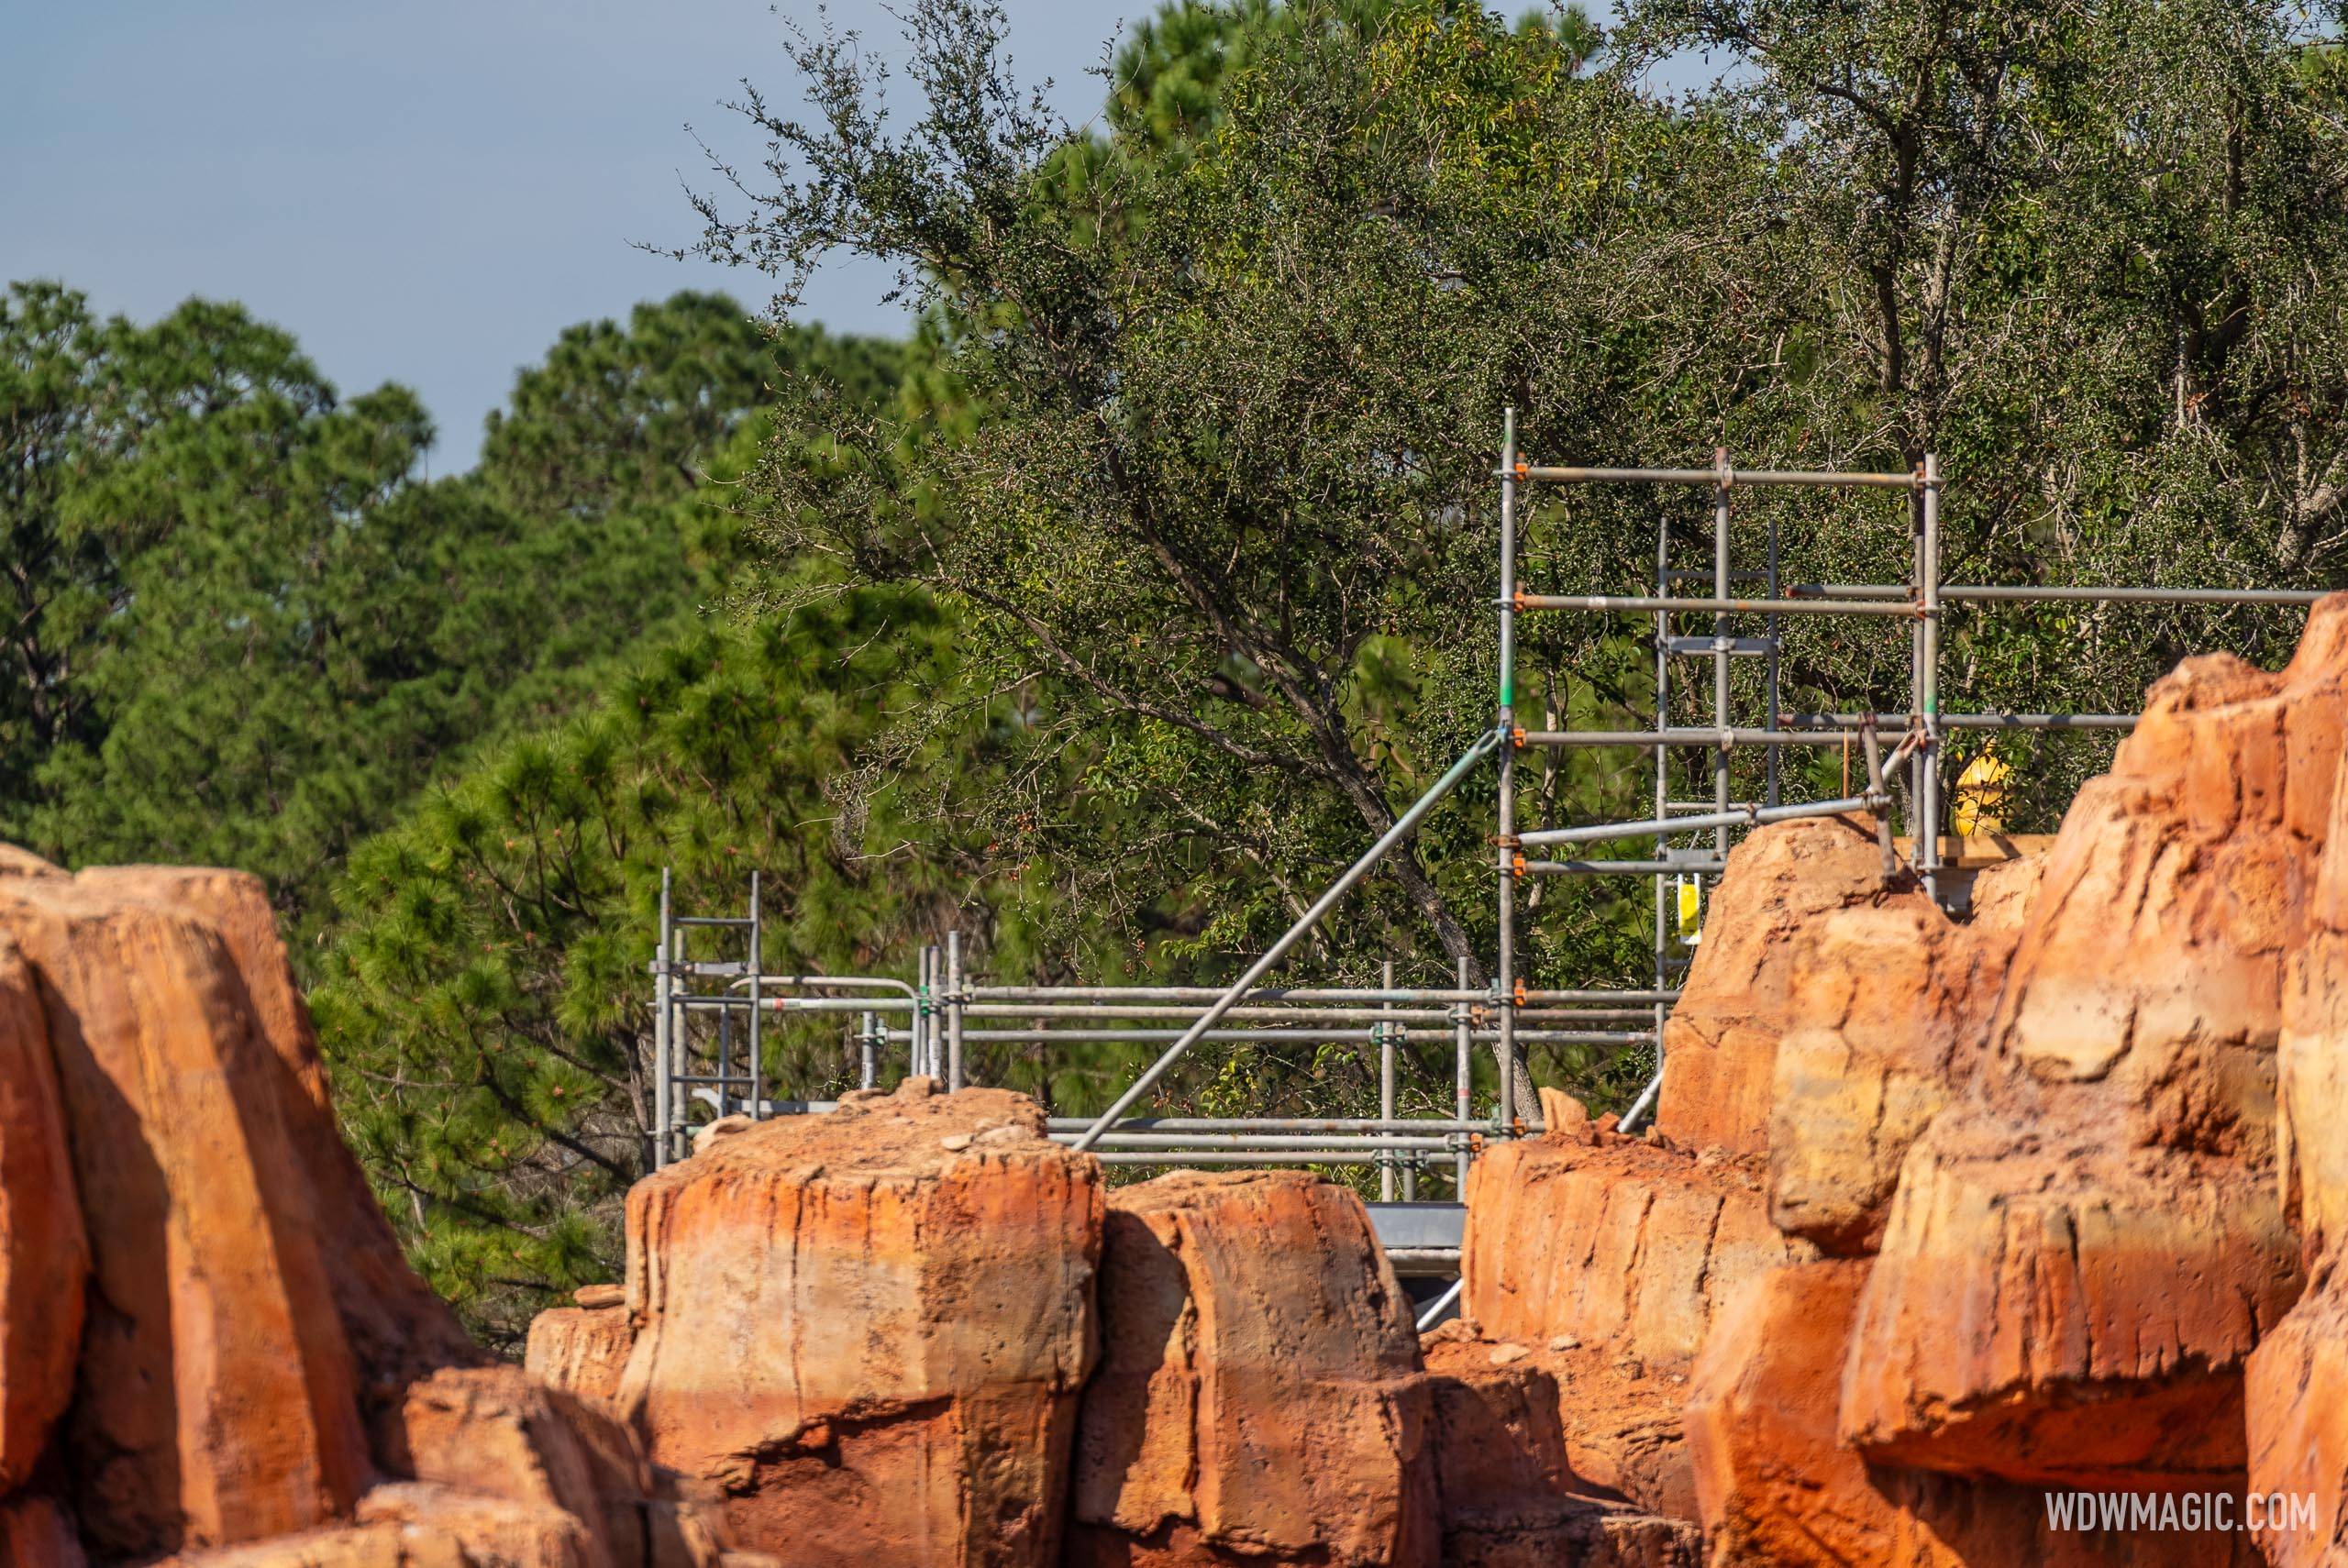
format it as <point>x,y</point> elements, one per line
<point>1516,737</point>
<point>1519,990</point>
<point>1516,866</point>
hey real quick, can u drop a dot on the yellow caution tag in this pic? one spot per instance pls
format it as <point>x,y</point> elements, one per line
<point>1692,909</point>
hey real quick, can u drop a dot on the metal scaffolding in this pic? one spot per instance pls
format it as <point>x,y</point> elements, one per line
<point>708,1037</point>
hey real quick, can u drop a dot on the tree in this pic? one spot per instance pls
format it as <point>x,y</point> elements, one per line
<point>617,417</point>
<point>485,1009</point>
<point>248,630</point>
<point>1225,493</point>
<point>83,403</point>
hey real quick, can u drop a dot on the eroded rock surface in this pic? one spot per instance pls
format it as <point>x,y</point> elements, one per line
<point>1720,1044</point>
<point>1259,1396</point>
<point>869,1330</point>
<point>1605,1258</point>
<point>221,1312</point>
<point>2082,1254</point>
<point>1884,1029</point>
<point>2295,1393</point>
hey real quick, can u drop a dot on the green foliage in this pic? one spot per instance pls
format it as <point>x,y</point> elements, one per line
<point>1218,497</point>
<point>486,1011</point>
<point>619,417</point>
<point>248,630</point>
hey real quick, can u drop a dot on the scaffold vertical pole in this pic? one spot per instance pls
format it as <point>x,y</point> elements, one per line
<point>757,1057</point>
<point>1386,1082</point>
<point>868,1062</point>
<point>1504,964</point>
<point>661,1066</point>
<point>953,1009</point>
<point>1928,841</point>
<point>1462,1088</point>
<point>1663,885</point>
<point>1720,645</point>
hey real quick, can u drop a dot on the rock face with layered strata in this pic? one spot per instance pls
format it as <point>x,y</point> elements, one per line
<point>202,1286</point>
<point>1720,1044</point>
<point>44,1255</point>
<point>868,1329</point>
<point>208,1278</point>
<point>2295,1393</point>
<point>582,1350</point>
<point>1778,1488</point>
<point>1260,1399</point>
<point>2082,1254</point>
<point>1883,1024</point>
<point>1505,1472</point>
<point>1606,1258</point>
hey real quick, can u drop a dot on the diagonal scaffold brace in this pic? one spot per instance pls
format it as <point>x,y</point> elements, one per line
<point>1404,826</point>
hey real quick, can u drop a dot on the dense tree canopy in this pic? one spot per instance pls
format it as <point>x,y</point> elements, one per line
<point>247,629</point>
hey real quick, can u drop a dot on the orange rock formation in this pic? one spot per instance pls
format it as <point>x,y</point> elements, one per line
<point>1942,1216</point>
<point>212,1343</point>
<point>869,1330</point>
<point>1260,1399</point>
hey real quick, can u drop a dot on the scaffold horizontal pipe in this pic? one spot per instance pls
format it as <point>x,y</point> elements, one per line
<point>1651,606</point>
<point>1365,1012</point>
<point>1650,740</point>
<point>1254,1156</point>
<point>1427,1126</point>
<point>1575,1036</point>
<point>1600,833</point>
<point>1798,477</point>
<point>1397,1142</point>
<point>1838,723</point>
<point>1975,593</point>
<point>1603,997</point>
<point>1623,867</point>
<point>1366,1031</point>
<point>2090,593</point>
<point>1215,993</point>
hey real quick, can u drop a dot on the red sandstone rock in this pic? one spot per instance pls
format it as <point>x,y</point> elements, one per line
<point>413,1526</point>
<point>494,1432</point>
<point>1610,1256</point>
<point>1889,1005</point>
<point>2296,1391</point>
<point>1619,1243</point>
<point>1259,1397</point>
<point>35,1533</point>
<point>2081,1255</point>
<point>2065,1314</point>
<point>215,1399</point>
<point>582,1351</point>
<point>2297,1397</point>
<point>44,1256</point>
<point>1777,1489</point>
<point>1720,1045</point>
<point>870,1343</point>
<point>1772,1484</point>
<point>1509,1493</point>
<point>398,1331</point>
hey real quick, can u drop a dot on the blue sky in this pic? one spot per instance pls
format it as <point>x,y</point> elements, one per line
<point>424,192</point>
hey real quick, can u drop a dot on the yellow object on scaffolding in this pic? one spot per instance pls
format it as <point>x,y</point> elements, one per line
<point>1980,792</point>
<point>1692,909</point>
